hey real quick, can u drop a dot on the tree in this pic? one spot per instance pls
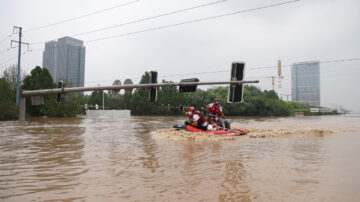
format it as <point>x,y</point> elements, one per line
<point>140,101</point>
<point>97,98</point>
<point>255,102</point>
<point>40,78</point>
<point>10,75</point>
<point>8,108</point>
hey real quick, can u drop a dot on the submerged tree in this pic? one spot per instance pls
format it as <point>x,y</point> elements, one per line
<point>40,78</point>
<point>8,108</point>
<point>255,102</point>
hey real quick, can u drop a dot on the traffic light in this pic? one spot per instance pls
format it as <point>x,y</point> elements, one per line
<point>59,95</point>
<point>236,91</point>
<point>153,90</point>
<point>183,89</point>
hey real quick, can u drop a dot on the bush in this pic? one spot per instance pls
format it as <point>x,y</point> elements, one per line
<point>8,108</point>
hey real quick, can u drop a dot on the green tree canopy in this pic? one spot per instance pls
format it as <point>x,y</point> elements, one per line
<point>8,108</point>
<point>40,78</point>
<point>255,102</point>
<point>10,75</point>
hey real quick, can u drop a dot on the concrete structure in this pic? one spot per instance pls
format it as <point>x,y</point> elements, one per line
<point>305,83</point>
<point>108,113</point>
<point>65,60</point>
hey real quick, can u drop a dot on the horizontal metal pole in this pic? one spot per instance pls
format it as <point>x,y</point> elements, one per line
<point>119,87</point>
<point>20,42</point>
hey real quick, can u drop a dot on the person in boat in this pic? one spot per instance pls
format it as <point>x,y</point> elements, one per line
<point>216,111</point>
<point>212,126</point>
<point>196,119</point>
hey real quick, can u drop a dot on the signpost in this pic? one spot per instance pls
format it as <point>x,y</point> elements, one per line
<point>235,93</point>
<point>315,110</point>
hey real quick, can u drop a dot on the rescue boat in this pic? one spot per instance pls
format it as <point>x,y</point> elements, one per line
<point>222,132</point>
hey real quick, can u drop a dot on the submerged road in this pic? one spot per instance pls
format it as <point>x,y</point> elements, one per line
<point>141,158</point>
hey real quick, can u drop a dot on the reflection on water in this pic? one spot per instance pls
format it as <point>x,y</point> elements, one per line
<point>142,159</point>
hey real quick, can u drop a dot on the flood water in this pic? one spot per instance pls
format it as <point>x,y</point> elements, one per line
<point>143,159</point>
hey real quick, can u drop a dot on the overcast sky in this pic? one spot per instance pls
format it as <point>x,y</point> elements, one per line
<point>307,30</point>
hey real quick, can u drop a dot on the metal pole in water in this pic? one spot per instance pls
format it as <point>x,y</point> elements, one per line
<point>118,87</point>
<point>103,100</point>
<point>18,73</point>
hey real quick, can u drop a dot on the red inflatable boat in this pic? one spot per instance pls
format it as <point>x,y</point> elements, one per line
<point>228,132</point>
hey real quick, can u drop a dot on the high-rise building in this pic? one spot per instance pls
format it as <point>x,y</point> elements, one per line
<point>305,83</point>
<point>65,60</point>
<point>49,58</point>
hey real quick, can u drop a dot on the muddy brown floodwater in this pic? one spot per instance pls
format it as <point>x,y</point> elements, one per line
<point>143,159</point>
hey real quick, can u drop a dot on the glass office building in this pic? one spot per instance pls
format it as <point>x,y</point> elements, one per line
<point>305,83</point>
<point>49,58</point>
<point>65,60</point>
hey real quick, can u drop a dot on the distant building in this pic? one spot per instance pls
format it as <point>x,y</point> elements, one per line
<point>49,58</point>
<point>305,83</point>
<point>65,60</point>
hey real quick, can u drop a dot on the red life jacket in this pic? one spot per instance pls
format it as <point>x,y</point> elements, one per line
<point>201,120</point>
<point>215,109</point>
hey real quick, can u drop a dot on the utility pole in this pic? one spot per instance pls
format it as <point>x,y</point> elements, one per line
<point>287,96</point>
<point>273,80</point>
<point>276,77</point>
<point>19,60</point>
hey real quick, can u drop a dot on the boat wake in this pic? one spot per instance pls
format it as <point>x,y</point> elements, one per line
<point>174,134</point>
<point>280,132</point>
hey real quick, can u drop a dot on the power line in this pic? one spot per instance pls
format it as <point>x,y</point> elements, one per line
<point>8,60</point>
<point>343,60</point>
<point>192,21</point>
<point>4,51</point>
<point>150,18</point>
<point>5,38</point>
<point>141,20</point>
<point>15,57</point>
<point>35,50</point>
<point>222,71</point>
<point>79,17</point>
<point>226,71</point>
<point>257,68</point>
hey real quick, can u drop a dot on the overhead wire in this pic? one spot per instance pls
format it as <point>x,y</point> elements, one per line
<point>5,51</point>
<point>15,57</point>
<point>227,71</point>
<point>8,60</point>
<point>5,38</point>
<point>191,21</point>
<point>140,20</point>
<point>150,18</point>
<point>79,17</point>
